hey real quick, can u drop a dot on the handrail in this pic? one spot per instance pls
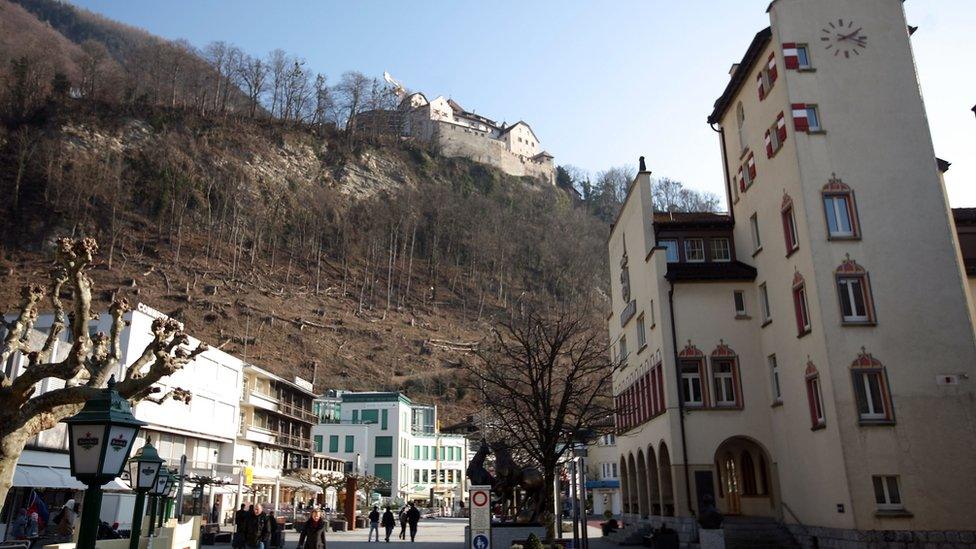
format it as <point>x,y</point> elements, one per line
<point>799,523</point>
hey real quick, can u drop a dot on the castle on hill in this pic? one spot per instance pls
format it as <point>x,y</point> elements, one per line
<point>456,132</point>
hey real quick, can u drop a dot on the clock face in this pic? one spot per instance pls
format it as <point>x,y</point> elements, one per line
<point>843,37</point>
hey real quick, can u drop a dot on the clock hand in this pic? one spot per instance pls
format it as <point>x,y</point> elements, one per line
<point>847,36</point>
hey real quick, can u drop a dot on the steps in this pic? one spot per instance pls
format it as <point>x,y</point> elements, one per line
<point>757,533</point>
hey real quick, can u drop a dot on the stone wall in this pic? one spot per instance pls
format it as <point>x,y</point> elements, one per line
<point>455,140</point>
<point>828,538</point>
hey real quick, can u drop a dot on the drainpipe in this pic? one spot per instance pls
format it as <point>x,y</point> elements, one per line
<point>725,170</point>
<point>681,402</point>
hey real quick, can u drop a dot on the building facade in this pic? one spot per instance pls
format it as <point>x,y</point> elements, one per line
<point>387,435</point>
<point>603,476</point>
<point>808,356</point>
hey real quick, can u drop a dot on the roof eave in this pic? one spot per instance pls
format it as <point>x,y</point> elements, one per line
<point>738,78</point>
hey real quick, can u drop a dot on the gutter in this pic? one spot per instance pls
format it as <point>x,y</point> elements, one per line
<point>681,402</point>
<point>725,164</point>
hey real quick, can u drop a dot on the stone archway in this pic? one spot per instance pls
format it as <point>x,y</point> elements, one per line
<point>744,478</point>
<point>632,485</point>
<point>653,485</point>
<point>624,485</point>
<point>643,506</point>
<point>667,484</point>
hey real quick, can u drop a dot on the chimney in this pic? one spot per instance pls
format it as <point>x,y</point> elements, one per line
<point>735,67</point>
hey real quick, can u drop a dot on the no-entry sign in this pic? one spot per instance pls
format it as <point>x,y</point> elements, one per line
<point>480,508</point>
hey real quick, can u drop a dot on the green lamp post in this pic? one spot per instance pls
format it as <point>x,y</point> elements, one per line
<point>144,469</point>
<point>100,437</point>
<point>156,494</point>
<point>171,481</point>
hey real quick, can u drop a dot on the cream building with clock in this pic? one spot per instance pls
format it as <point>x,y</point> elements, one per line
<point>808,358</point>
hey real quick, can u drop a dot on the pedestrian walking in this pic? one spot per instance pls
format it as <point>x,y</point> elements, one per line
<point>67,518</point>
<point>374,524</point>
<point>403,523</point>
<point>237,541</point>
<point>389,523</point>
<point>313,533</point>
<point>413,517</point>
<point>19,528</point>
<point>257,529</point>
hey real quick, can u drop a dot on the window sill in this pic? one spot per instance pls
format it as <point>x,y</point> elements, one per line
<point>654,325</point>
<point>743,317</point>
<point>756,251</point>
<point>843,238</point>
<point>803,333</point>
<point>724,408</point>
<point>856,323</point>
<point>817,132</point>
<point>893,513</point>
<point>642,347</point>
<point>766,322</point>
<point>791,252</point>
<point>875,422</point>
<point>776,403</point>
<point>818,427</point>
<point>806,69</point>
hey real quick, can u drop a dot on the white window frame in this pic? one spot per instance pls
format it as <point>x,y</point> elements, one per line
<point>722,381</point>
<point>884,482</point>
<point>653,317</point>
<point>622,345</point>
<point>774,379</point>
<point>764,303</point>
<point>739,302</point>
<point>876,410</point>
<point>756,240</point>
<point>641,332</point>
<point>804,307</point>
<point>838,204</point>
<point>728,249</point>
<point>846,290</point>
<point>815,112</point>
<point>671,246</point>
<point>794,242</point>
<point>689,382</point>
<point>818,400</point>
<point>701,249</point>
<point>806,53</point>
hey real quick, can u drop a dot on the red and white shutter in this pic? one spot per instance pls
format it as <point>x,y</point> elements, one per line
<point>781,128</point>
<point>772,68</point>
<point>800,122</point>
<point>751,165</point>
<point>742,182</point>
<point>759,86</point>
<point>769,145</point>
<point>791,58</point>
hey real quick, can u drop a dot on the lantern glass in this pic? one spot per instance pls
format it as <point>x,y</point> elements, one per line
<point>162,482</point>
<point>120,441</point>
<point>144,468</point>
<point>86,448</point>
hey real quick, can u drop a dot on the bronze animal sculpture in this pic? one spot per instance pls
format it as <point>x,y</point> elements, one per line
<point>509,476</point>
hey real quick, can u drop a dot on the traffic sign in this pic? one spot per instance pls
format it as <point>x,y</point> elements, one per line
<point>480,513</point>
<point>480,541</point>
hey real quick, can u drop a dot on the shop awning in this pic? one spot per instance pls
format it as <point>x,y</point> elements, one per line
<point>292,483</point>
<point>591,484</point>
<point>45,476</point>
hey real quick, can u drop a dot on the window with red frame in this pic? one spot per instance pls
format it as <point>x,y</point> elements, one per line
<point>815,398</point>
<point>789,226</point>
<point>840,210</point>
<point>871,393</point>
<point>726,392</point>
<point>854,293</point>
<point>692,387</point>
<point>801,306</point>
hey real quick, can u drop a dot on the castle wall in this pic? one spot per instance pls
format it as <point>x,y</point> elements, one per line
<point>458,141</point>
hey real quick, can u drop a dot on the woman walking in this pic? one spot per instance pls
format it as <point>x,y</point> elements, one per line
<point>313,533</point>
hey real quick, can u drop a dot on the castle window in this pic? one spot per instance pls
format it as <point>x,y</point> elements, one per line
<point>871,390</point>
<point>887,494</point>
<point>815,398</point>
<point>694,250</point>
<point>789,226</point>
<point>623,349</point>
<point>764,304</point>
<point>739,300</point>
<point>641,333</point>
<point>691,383</point>
<point>854,292</point>
<point>801,306</point>
<point>840,210</point>
<point>774,380</point>
<point>756,241</point>
<point>725,376</point>
<point>721,250</point>
<point>803,56</point>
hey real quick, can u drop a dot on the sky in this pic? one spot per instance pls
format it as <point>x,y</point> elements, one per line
<point>601,83</point>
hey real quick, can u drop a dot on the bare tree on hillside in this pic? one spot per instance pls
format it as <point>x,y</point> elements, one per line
<point>351,92</point>
<point>93,64</point>
<point>88,364</point>
<point>543,379</point>
<point>278,68</point>
<point>670,195</point>
<point>254,74</point>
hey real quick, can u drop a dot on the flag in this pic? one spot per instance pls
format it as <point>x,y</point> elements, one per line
<point>37,505</point>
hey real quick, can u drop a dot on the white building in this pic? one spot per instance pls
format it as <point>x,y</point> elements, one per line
<point>386,435</point>
<point>603,476</point>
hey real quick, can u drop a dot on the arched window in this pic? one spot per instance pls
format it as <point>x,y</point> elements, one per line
<point>693,388</point>
<point>725,377</point>
<point>854,292</point>
<point>840,210</point>
<point>815,397</point>
<point>789,225</point>
<point>871,390</point>
<point>800,305</point>
<point>748,474</point>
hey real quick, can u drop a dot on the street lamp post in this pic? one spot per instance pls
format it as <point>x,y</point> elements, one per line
<point>144,469</point>
<point>100,438</point>
<point>156,493</point>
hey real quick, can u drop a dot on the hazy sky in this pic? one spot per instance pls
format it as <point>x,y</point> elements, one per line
<point>600,82</point>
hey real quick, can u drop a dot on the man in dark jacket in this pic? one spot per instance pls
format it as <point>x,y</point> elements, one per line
<point>403,523</point>
<point>239,518</point>
<point>413,517</point>
<point>389,522</point>
<point>374,524</point>
<point>313,533</point>
<point>257,529</point>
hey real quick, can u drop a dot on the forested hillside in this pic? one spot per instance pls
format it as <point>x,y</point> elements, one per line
<point>225,191</point>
